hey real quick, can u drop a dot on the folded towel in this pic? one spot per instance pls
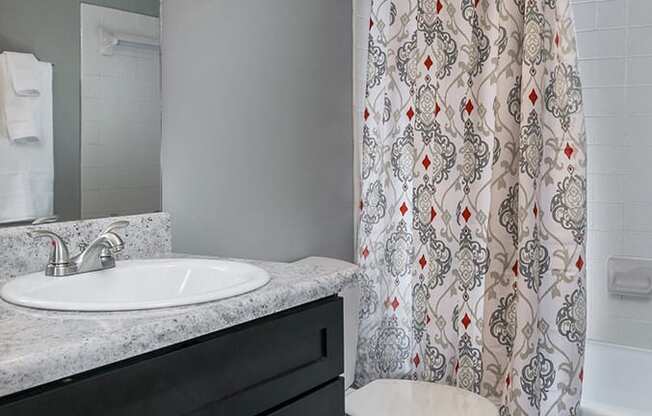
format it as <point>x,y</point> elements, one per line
<point>19,115</point>
<point>23,72</point>
<point>27,169</point>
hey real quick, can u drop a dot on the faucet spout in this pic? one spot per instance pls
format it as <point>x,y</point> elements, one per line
<point>97,256</point>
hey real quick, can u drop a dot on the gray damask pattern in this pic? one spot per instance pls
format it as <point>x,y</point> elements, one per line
<point>403,157</point>
<point>531,146</point>
<point>568,206</point>
<point>564,94</point>
<point>475,154</point>
<point>503,321</point>
<point>534,261</point>
<point>374,204</point>
<point>391,347</point>
<point>474,201</point>
<point>537,378</point>
<point>571,318</point>
<point>375,64</point>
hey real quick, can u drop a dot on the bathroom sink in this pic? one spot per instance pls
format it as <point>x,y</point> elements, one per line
<point>137,284</point>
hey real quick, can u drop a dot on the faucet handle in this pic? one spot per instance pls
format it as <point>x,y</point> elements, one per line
<point>115,226</point>
<point>59,252</point>
<point>115,241</point>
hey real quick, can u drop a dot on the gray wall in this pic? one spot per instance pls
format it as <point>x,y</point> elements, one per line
<point>257,136</point>
<point>51,30</point>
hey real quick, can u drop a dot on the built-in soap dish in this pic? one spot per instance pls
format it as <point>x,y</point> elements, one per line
<point>630,276</point>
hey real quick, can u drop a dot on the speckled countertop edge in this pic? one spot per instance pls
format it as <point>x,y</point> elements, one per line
<point>37,347</point>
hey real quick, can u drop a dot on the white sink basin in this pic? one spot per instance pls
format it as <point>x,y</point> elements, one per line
<point>137,284</point>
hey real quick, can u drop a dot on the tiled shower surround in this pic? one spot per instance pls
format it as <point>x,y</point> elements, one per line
<point>146,236</point>
<point>615,55</point>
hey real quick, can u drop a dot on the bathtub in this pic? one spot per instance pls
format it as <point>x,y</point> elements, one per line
<point>617,380</point>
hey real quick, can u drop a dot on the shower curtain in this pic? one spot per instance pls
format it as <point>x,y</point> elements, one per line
<point>473,201</point>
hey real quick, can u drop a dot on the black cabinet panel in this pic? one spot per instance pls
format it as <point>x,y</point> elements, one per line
<point>327,401</point>
<point>245,370</point>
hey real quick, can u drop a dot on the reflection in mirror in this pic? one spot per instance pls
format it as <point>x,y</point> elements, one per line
<point>80,121</point>
<point>26,150</point>
<point>121,118</point>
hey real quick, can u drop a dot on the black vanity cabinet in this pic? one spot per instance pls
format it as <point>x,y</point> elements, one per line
<point>287,364</point>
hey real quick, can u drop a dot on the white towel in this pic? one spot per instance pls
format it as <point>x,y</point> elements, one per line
<point>24,74</point>
<point>19,115</point>
<point>27,168</point>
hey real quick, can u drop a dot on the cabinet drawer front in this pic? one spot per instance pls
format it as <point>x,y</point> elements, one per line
<point>243,370</point>
<point>327,401</point>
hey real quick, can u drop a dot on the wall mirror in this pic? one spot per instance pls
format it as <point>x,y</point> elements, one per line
<point>80,109</point>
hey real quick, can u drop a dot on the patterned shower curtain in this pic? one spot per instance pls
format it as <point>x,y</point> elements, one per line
<point>473,211</point>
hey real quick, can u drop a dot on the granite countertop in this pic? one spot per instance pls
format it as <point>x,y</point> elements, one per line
<point>38,347</point>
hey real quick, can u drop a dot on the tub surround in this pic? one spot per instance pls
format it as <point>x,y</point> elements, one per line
<point>616,380</point>
<point>41,346</point>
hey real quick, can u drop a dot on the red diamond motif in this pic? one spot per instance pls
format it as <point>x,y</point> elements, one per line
<point>568,150</point>
<point>365,252</point>
<point>395,303</point>
<point>466,321</point>
<point>366,114</point>
<point>508,381</point>
<point>533,96</point>
<point>557,39</point>
<point>437,109</point>
<point>403,208</point>
<point>466,214</point>
<point>580,263</point>
<point>469,107</point>
<point>428,63</point>
<point>426,162</point>
<point>423,262</point>
<point>515,269</point>
<point>433,214</point>
<point>416,360</point>
<point>410,113</point>
<point>439,6</point>
<point>582,375</point>
<point>535,210</point>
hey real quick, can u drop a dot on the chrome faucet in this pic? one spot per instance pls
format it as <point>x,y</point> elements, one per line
<point>99,254</point>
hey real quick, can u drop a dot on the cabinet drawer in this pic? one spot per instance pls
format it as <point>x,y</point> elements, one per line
<point>244,370</point>
<point>327,401</point>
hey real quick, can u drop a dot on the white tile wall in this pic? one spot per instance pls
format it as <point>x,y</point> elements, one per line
<point>604,72</point>
<point>601,43</point>
<point>610,13</point>
<point>121,117</point>
<point>640,12</point>
<point>615,49</point>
